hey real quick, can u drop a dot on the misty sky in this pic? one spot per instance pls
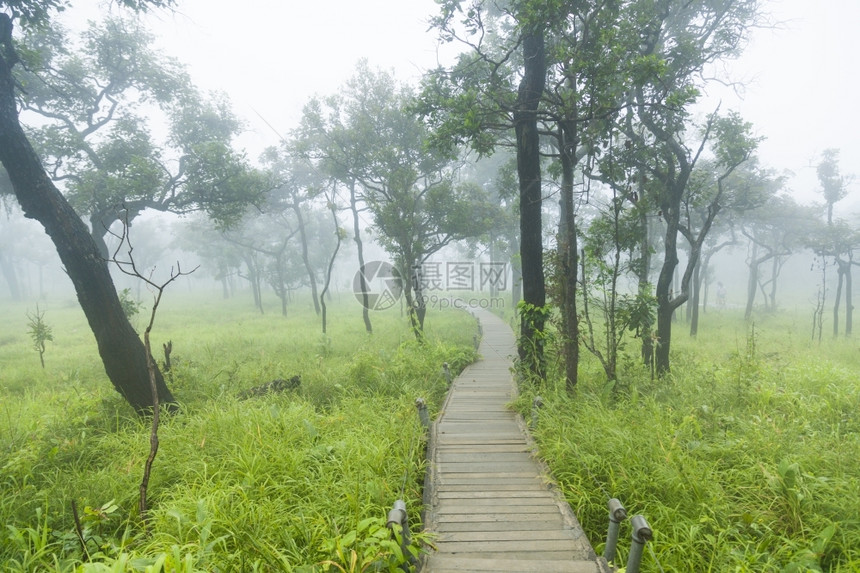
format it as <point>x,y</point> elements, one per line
<point>270,56</point>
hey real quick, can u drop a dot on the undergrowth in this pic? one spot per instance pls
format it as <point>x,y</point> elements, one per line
<point>745,459</point>
<point>296,481</point>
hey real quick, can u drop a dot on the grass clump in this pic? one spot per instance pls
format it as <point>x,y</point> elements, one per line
<point>294,481</point>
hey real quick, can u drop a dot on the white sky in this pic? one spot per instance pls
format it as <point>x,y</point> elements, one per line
<point>271,56</point>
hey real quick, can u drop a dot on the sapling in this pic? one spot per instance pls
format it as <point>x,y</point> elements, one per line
<point>40,332</point>
<point>129,267</point>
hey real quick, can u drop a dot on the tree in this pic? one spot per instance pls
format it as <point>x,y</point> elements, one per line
<point>842,241</point>
<point>775,228</point>
<point>741,189</point>
<point>297,186</point>
<point>834,185</point>
<point>121,350</point>
<point>324,139</point>
<point>678,40</point>
<point>608,254</point>
<point>497,87</point>
<point>95,108</point>
<point>410,190</point>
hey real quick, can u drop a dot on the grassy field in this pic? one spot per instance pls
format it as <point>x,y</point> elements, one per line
<point>300,481</point>
<point>745,459</point>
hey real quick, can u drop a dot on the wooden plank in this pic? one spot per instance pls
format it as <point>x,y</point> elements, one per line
<point>496,495</point>
<point>457,564</point>
<point>548,517</point>
<point>512,526</point>
<point>541,546</point>
<point>460,536</point>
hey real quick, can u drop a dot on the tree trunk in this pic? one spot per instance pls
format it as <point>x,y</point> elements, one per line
<point>254,278</point>
<point>665,309</point>
<point>849,303</point>
<point>330,263</point>
<point>516,274</point>
<point>693,305</point>
<point>303,233</point>
<point>568,249</point>
<point>752,286</point>
<point>98,229</point>
<point>121,350</point>
<point>644,284</point>
<point>774,274</point>
<point>530,346</point>
<point>840,278</point>
<point>356,229</point>
<point>11,275</point>
<point>844,278</point>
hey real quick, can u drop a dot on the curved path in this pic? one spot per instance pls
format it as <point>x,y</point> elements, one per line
<point>487,499</point>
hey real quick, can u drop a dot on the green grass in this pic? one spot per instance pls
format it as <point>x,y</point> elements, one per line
<point>745,458</point>
<point>294,482</point>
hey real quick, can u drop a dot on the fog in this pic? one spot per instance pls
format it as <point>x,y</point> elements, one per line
<point>794,82</point>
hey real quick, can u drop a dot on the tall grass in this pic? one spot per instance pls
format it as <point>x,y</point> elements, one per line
<point>299,481</point>
<point>745,458</point>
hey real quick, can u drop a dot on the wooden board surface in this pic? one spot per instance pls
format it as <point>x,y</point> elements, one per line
<point>489,504</point>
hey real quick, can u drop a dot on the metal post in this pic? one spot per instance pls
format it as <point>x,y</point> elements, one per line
<point>617,514</point>
<point>398,516</point>
<point>642,534</point>
<point>475,341</point>
<point>537,404</point>
<point>447,371</point>
<point>422,412</point>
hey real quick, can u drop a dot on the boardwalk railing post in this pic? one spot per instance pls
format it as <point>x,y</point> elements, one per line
<point>617,514</point>
<point>422,412</point>
<point>642,534</point>
<point>537,404</point>
<point>447,371</point>
<point>398,516</point>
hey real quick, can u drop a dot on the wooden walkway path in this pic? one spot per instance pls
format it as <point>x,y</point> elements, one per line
<point>487,499</point>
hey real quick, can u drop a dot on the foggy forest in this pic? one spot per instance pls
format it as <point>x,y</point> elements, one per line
<point>216,317</point>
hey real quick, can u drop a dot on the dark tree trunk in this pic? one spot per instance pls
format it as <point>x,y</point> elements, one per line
<point>121,350</point>
<point>665,299</point>
<point>644,284</point>
<point>303,234</point>
<point>356,229</point>
<point>98,229</point>
<point>530,347</point>
<point>568,249</point>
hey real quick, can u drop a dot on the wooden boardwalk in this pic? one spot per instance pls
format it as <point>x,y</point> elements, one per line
<point>489,502</point>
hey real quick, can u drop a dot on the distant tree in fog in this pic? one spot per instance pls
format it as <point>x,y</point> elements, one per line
<point>410,190</point>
